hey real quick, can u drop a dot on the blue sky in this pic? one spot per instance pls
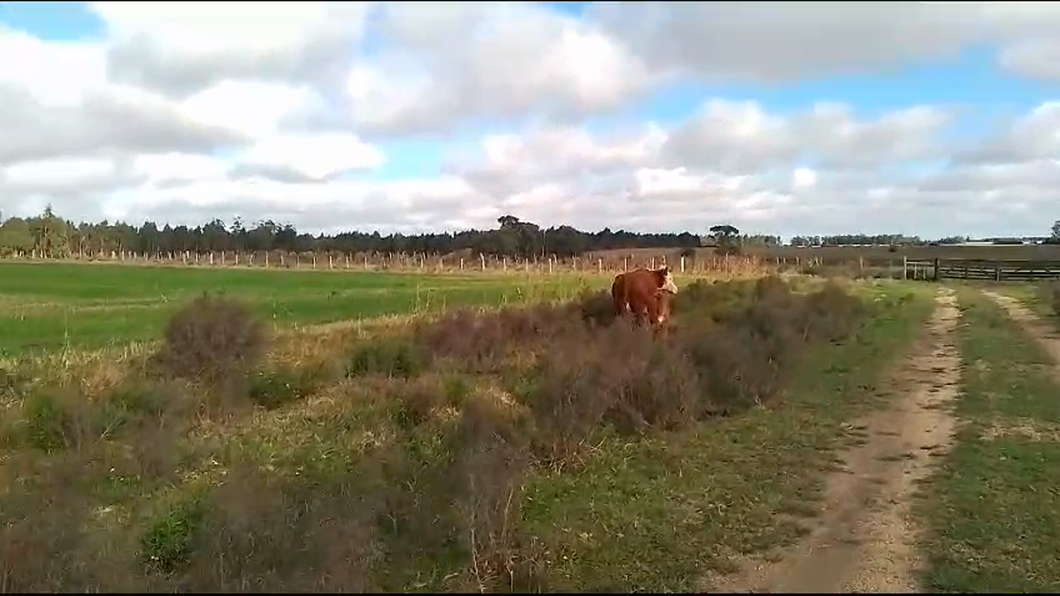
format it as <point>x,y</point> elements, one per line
<point>52,20</point>
<point>971,82</point>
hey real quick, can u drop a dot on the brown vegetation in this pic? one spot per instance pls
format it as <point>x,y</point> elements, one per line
<point>442,424</point>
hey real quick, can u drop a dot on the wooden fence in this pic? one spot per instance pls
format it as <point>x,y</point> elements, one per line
<point>982,269</point>
<point>423,263</point>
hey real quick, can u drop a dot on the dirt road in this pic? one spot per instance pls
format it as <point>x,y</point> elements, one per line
<point>1032,325</point>
<point>864,538</point>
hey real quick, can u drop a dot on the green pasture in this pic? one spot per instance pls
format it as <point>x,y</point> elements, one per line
<point>44,307</point>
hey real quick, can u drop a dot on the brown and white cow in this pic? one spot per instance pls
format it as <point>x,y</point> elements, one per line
<point>644,292</point>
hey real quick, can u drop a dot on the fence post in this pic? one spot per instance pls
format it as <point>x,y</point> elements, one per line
<point>905,267</point>
<point>936,268</point>
<point>997,271</point>
<point>682,264</point>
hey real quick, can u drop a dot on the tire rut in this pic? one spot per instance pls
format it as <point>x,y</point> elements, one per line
<point>865,538</point>
<point>1033,325</point>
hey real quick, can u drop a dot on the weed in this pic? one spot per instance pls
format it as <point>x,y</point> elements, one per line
<point>415,400</point>
<point>392,357</point>
<point>47,422</point>
<point>167,545</point>
<point>132,404</point>
<point>275,388</point>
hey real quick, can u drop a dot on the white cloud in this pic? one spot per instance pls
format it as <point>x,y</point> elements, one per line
<point>316,156</point>
<point>789,41</point>
<point>250,108</point>
<point>180,47</point>
<point>188,111</point>
<point>498,60</point>
<point>58,174</point>
<point>741,136</point>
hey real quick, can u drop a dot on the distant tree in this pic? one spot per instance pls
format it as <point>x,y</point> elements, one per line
<point>51,235</point>
<point>1056,231</point>
<point>727,238</point>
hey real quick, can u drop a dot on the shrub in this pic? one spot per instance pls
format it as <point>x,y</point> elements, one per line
<point>414,401</point>
<point>1055,298</point>
<point>212,338</point>
<point>618,374</point>
<point>482,342</point>
<point>715,301</point>
<point>487,473</point>
<point>830,314</point>
<point>735,347</point>
<point>596,308</point>
<point>258,532</point>
<point>392,357</point>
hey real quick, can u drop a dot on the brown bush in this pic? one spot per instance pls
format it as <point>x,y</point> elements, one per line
<point>830,314</point>
<point>483,342</point>
<point>489,464</point>
<point>211,339</point>
<point>736,346</point>
<point>712,300</point>
<point>43,528</point>
<point>618,374</point>
<point>55,531</point>
<point>1054,298</point>
<point>415,401</point>
<point>259,532</point>
<point>596,308</point>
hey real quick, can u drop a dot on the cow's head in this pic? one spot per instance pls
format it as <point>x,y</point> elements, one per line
<point>664,280</point>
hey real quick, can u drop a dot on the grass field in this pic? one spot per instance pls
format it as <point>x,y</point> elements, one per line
<point>994,508</point>
<point>44,307</point>
<point>525,449</point>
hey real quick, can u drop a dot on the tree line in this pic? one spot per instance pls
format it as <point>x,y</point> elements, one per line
<point>50,235</point>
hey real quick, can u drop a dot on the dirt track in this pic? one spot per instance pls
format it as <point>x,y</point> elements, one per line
<point>1032,325</point>
<point>864,538</point>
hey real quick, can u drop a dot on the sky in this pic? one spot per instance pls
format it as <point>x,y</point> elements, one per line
<point>934,119</point>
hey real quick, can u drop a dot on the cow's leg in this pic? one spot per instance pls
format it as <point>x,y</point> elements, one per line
<point>654,310</point>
